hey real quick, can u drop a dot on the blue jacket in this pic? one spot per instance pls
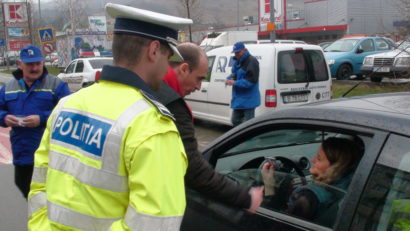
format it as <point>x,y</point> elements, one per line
<point>39,99</point>
<point>245,91</point>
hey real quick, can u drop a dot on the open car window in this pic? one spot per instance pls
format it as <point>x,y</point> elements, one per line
<point>293,150</point>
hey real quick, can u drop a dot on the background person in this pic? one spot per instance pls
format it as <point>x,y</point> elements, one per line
<point>334,164</point>
<point>26,102</point>
<point>111,157</point>
<point>244,81</point>
<point>182,79</point>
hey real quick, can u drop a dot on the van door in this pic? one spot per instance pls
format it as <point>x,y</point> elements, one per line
<point>198,100</point>
<point>302,77</point>
<point>219,94</point>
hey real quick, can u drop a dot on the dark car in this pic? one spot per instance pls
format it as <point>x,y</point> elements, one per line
<point>374,200</point>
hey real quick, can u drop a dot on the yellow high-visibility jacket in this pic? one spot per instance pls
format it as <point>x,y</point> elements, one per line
<point>110,159</point>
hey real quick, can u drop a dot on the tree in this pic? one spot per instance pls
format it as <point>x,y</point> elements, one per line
<point>75,17</point>
<point>190,9</point>
<point>404,11</point>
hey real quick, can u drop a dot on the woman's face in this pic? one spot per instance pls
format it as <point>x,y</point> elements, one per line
<point>320,163</point>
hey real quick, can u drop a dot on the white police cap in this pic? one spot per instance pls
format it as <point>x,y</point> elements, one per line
<point>153,25</point>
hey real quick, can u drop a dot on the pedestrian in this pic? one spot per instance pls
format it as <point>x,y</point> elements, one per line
<point>111,157</point>
<point>245,87</point>
<point>26,102</point>
<point>182,79</point>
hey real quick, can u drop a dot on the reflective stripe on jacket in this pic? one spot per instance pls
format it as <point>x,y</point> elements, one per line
<point>39,99</point>
<point>110,159</point>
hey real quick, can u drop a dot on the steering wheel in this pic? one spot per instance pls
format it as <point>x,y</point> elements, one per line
<point>285,164</point>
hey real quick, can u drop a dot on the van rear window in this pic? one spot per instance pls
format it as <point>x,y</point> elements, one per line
<point>301,66</point>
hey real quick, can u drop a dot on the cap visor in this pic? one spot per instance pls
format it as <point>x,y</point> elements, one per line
<point>32,60</point>
<point>176,56</point>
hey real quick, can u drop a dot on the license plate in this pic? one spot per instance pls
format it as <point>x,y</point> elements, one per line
<point>381,69</point>
<point>295,98</point>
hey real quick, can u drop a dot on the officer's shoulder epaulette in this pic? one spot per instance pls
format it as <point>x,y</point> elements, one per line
<point>161,108</point>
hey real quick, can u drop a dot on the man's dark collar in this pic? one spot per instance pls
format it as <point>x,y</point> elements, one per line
<point>124,76</point>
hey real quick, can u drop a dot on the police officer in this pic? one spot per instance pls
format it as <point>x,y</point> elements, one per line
<point>111,157</point>
<point>26,101</point>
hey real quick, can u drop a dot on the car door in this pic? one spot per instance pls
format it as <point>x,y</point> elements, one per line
<point>198,100</point>
<point>67,75</point>
<point>385,204</point>
<point>77,77</point>
<point>365,48</point>
<point>239,154</point>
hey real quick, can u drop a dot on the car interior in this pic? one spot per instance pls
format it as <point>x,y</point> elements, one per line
<point>292,150</point>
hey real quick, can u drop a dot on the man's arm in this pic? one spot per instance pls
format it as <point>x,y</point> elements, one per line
<point>156,169</point>
<point>200,174</point>
<point>251,74</point>
<point>3,107</point>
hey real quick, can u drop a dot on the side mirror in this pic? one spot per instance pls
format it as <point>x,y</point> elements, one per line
<point>359,51</point>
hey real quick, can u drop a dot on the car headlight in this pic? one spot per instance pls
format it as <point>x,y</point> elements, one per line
<point>331,61</point>
<point>368,61</point>
<point>402,61</point>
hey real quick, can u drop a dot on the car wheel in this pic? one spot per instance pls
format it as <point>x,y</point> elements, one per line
<point>344,72</point>
<point>376,79</point>
<point>87,84</point>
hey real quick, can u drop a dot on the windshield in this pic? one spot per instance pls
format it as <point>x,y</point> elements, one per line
<point>99,63</point>
<point>342,45</point>
<point>404,45</point>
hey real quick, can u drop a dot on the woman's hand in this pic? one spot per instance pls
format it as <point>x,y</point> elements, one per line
<point>268,175</point>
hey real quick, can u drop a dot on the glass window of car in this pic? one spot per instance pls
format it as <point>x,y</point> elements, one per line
<point>385,204</point>
<point>381,44</point>
<point>211,60</point>
<point>242,163</point>
<point>367,45</point>
<point>80,67</point>
<point>99,63</point>
<point>342,45</point>
<point>70,68</point>
<point>295,66</point>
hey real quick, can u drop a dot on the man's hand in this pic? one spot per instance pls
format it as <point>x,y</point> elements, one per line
<point>32,121</point>
<point>11,121</point>
<point>229,82</point>
<point>256,198</point>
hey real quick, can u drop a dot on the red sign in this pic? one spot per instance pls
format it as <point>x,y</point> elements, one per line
<point>15,14</point>
<point>17,45</point>
<point>48,48</point>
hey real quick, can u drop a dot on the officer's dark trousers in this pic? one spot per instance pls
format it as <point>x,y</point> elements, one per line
<point>22,178</point>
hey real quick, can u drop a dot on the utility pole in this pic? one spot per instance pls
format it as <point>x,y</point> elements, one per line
<point>237,14</point>
<point>272,20</point>
<point>39,12</point>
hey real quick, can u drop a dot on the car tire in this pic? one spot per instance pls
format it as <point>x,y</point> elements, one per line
<point>344,72</point>
<point>376,79</point>
<point>87,84</point>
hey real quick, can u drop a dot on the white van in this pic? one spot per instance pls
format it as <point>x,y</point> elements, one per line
<point>290,75</point>
<point>220,39</point>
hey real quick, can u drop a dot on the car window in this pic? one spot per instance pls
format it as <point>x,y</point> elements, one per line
<point>342,45</point>
<point>99,63</point>
<point>80,66</point>
<point>301,66</point>
<point>385,204</point>
<point>70,68</point>
<point>211,60</point>
<point>367,45</point>
<point>292,149</point>
<point>381,44</point>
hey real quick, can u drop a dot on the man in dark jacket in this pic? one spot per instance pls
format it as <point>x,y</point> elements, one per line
<point>182,79</point>
<point>245,87</point>
<point>26,102</point>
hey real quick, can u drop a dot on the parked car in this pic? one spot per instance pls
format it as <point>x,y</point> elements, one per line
<point>323,45</point>
<point>290,75</point>
<point>282,41</point>
<point>345,56</point>
<point>83,72</point>
<point>375,197</point>
<point>394,64</point>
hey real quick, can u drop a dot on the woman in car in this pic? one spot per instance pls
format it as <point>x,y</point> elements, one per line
<point>334,165</point>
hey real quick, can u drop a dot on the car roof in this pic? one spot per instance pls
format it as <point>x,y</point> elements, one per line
<point>389,112</point>
<point>93,58</point>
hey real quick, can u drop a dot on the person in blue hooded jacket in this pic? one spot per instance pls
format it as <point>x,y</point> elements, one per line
<point>333,165</point>
<point>245,87</point>
<point>26,102</point>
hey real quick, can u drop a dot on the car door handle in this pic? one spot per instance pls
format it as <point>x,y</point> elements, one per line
<point>203,90</point>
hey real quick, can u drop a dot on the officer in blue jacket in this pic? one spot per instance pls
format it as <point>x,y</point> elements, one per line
<point>245,87</point>
<point>26,102</point>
